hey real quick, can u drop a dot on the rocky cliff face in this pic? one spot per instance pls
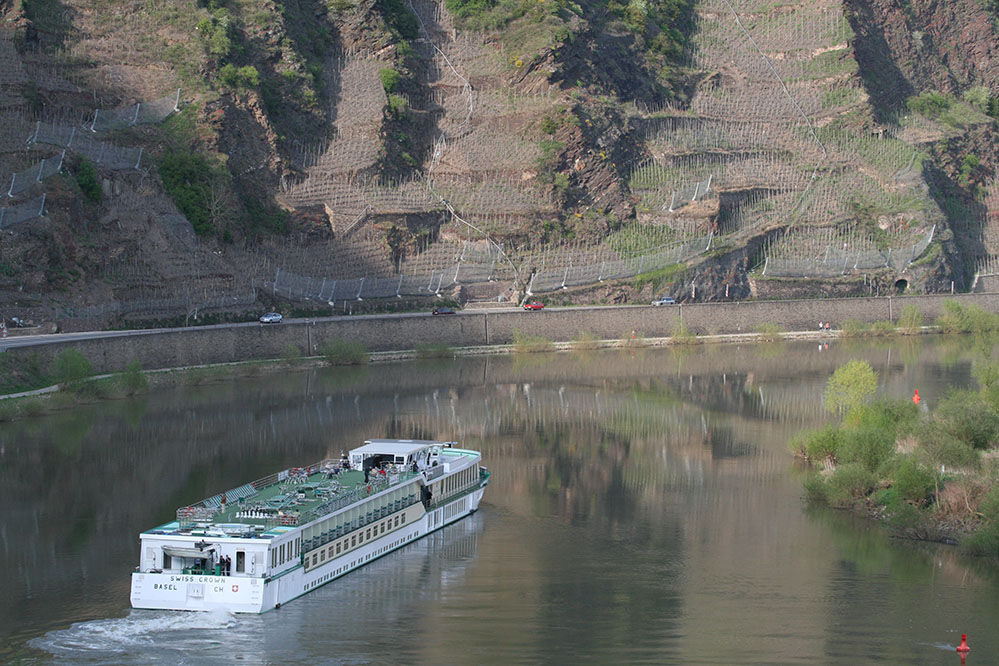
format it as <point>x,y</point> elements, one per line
<point>911,51</point>
<point>336,140</point>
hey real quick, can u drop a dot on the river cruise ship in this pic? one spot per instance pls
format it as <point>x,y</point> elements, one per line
<point>260,545</point>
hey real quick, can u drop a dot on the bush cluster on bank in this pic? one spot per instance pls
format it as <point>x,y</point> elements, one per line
<point>931,475</point>
<point>345,352</point>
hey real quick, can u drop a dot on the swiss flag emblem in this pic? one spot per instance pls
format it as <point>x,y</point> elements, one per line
<point>235,588</point>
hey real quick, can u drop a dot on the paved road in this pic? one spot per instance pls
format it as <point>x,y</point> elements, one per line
<point>31,340</point>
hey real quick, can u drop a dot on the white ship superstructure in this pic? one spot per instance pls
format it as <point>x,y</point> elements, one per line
<point>260,545</point>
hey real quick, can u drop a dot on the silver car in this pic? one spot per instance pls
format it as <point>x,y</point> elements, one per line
<point>271,318</point>
<point>665,300</point>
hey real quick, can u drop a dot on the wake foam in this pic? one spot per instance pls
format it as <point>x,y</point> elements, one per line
<point>109,640</point>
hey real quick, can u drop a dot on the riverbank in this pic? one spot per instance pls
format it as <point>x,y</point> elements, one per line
<point>112,352</point>
<point>200,374</point>
<point>928,475</point>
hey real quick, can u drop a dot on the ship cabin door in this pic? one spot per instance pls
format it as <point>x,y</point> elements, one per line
<point>240,561</point>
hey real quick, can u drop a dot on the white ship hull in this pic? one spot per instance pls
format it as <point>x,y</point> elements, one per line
<point>247,594</point>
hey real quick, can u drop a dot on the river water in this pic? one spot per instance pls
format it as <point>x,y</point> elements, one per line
<point>643,508</point>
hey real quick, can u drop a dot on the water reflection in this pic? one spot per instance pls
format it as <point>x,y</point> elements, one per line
<point>641,510</point>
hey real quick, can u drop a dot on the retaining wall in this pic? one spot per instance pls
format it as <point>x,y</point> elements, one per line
<point>241,342</point>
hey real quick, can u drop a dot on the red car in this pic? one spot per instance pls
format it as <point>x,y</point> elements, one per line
<point>533,305</point>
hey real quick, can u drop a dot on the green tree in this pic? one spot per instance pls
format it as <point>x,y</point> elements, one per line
<point>133,380</point>
<point>87,180</point>
<point>850,386</point>
<point>398,107</point>
<point>239,78</point>
<point>344,352</point>
<point>987,375</point>
<point>71,366</point>
<point>930,103</point>
<point>968,417</point>
<point>216,33</point>
<point>195,184</point>
<point>390,79</point>
<point>911,320</point>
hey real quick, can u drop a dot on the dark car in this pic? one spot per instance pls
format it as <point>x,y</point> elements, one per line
<point>271,318</point>
<point>533,305</point>
<point>440,311</point>
<point>665,300</point>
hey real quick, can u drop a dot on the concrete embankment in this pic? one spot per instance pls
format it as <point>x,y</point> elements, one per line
<point>208,345</point>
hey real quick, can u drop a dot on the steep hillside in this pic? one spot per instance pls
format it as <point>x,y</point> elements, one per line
<point>328,151</point>
<point>938,61</point>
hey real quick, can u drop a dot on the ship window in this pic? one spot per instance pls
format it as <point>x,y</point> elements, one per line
<point>383,528</point>
<point>368,534</point>
<point>240,561</point>
<point>353,541</point>
<point>167,561</point>
<point>315,559</point>
<point>281,555</point>
<point>274,558</point>
<point>404,519</point>
<point>322,556</point>
<point>337,547</point>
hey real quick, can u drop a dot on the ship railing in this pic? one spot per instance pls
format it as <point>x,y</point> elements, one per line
<point>205,510</point>
<point>188,515</point>
<point>375,485</point>
<point>432,473</point>
<point>347,528</point>
<point>278,477</point>
<point>458,492</point>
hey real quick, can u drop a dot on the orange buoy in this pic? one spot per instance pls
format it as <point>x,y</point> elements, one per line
<point>963,647</point>
<point>916,398</point>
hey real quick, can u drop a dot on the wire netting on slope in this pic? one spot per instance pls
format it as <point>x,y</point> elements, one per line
<point>350,197</point>
<point>678,135</point>
<point>599,266</point>
<point>987,265</point>
<point>88,145</point>
<point>335,162</point>
<point>475,262</point>
<point>23,180</point>
<point>807,28</point>
<point>491,196</point>
<point>192,302</point>
<point>153,111</point>
<point>828,253</point>
<point>494,145</point>
<point>986,224</point>
<point>22,212</point>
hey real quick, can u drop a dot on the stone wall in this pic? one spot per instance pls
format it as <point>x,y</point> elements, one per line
<point>241,342</point>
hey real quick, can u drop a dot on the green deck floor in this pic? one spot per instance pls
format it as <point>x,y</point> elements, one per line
<point>283,497</point>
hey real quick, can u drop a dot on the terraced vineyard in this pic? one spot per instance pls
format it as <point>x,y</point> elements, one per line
<point>764,166</point>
